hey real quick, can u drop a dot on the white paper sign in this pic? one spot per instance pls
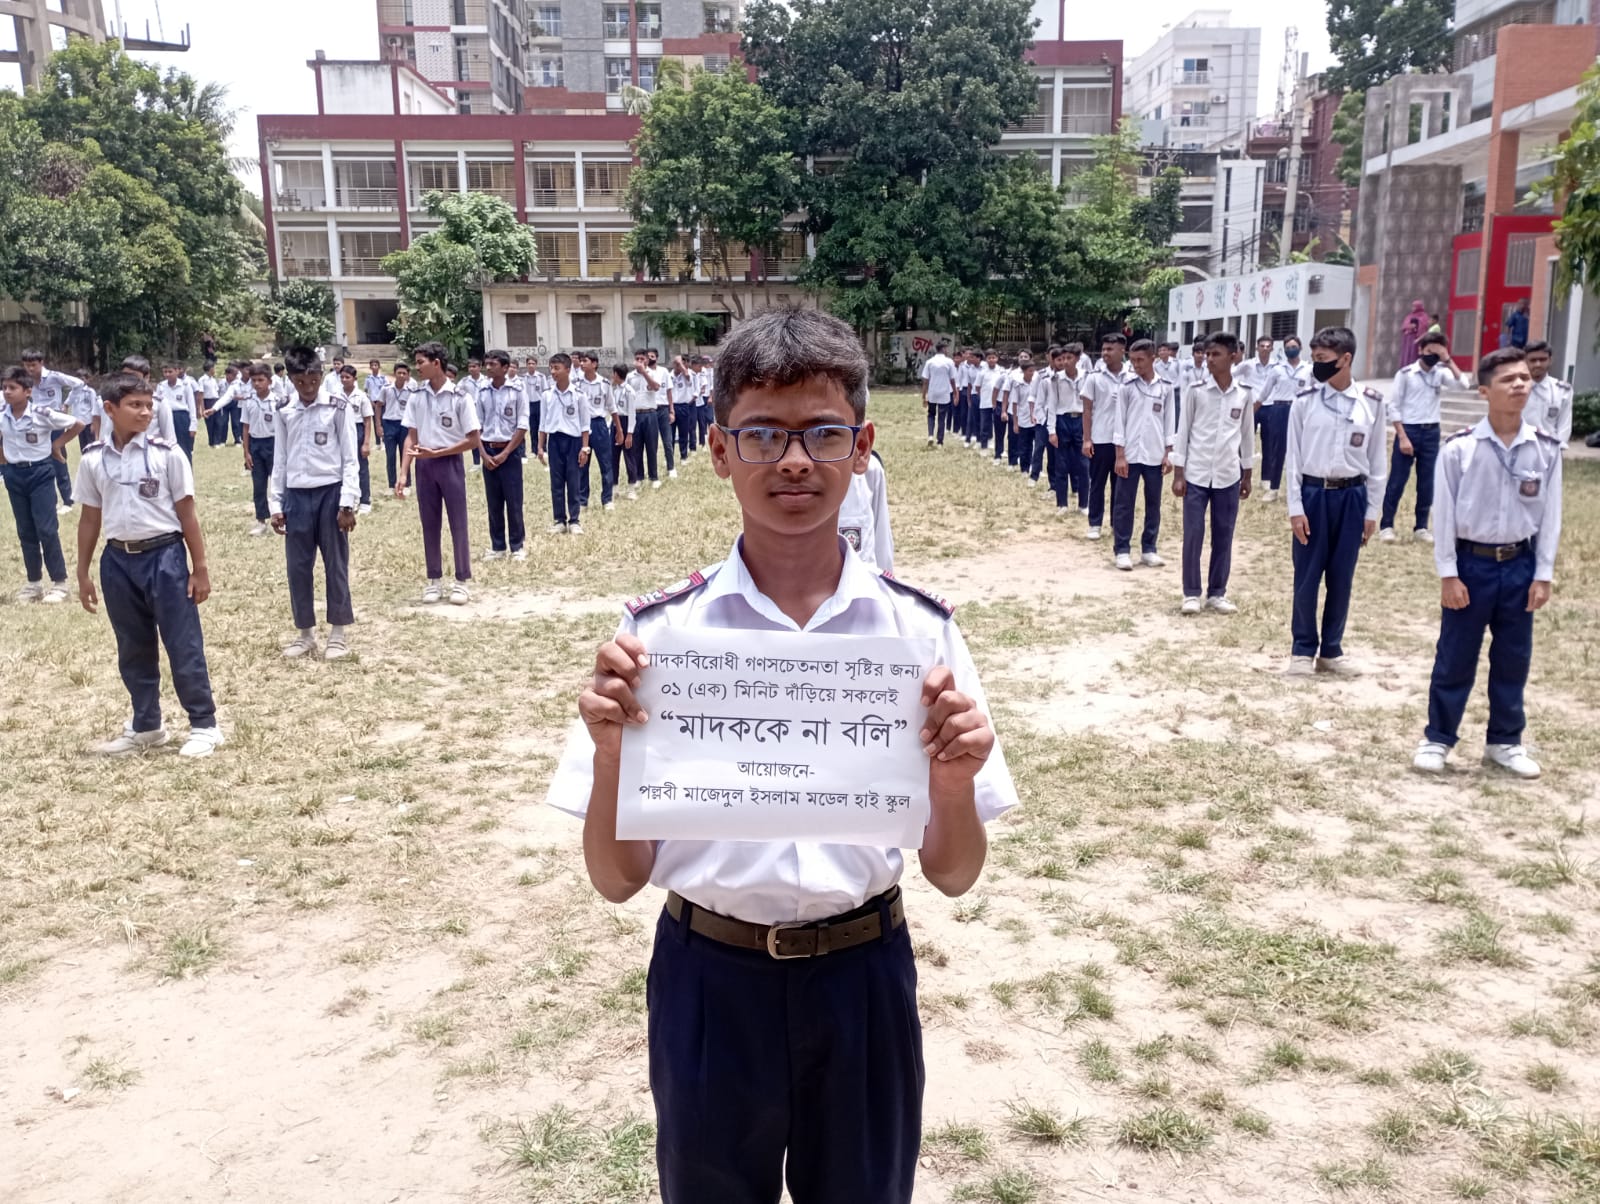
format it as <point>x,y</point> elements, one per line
<point>774,735</point>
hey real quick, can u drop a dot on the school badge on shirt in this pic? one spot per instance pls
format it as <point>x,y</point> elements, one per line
<point>149,487</point>
<point>852,536</point>
<point>321,438</point>
<point>1530,488</point>
<point>446,421</point>
<point>1357,438</point>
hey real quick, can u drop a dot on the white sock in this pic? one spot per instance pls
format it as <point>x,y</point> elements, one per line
<point>336,629</point>
<point>308,634</point>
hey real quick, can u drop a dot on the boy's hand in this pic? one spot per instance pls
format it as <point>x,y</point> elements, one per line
<point>609,702</point>
<point>957,736</point>
<point>278,524</point>
<point>199,584</point>
<point>347,520</point>
<point>1453,594</point>
<point>1538,595</point>
<point>89,600</point>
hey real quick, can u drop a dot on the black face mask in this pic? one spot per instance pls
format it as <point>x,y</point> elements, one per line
<point>1325,370</point>
<point>1429,360</point>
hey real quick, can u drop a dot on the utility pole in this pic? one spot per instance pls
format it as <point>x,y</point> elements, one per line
<point>1292,184</point>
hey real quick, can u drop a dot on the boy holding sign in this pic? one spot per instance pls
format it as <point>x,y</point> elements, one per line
<point>783,1033</point>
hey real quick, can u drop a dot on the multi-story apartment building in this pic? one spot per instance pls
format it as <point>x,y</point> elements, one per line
<point>1195,89</point>
<point>1477,28</point>
<point>1080,96</point>
<point>1322,201</point>
<point>473,47</point>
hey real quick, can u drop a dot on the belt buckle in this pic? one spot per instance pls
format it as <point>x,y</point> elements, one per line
<point>772,941</point>
<point>1505,552</point>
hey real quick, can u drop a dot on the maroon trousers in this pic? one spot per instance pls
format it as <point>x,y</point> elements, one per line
<point>441,491</point>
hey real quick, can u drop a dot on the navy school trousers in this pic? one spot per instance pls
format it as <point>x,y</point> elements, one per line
<point>31,485</point>
<point>146,595</point>
<point>1336,518</point>
<point>311,526</point>
<point>1497,604</point>
<point>502,490</point>
<point>262,452</point>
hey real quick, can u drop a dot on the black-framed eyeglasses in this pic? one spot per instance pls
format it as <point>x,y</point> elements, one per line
<point>769,444</point>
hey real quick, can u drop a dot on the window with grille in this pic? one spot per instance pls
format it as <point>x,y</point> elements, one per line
<point>552,184</point>
<point>558,252</point>
<point>647,73</point>
<point>362,251</point>
<point>618,73</point>
<point>719,18</point>
<point>605,183</point>
<point>365,183</point>
<point>522,330</point>
<point>492,177</point>
<point>1086,110</point>
<point>1519,260</point>
<point>547,21</point>
<point>304,252</point>
<point>443,176</point>
<point>1467,263</point>
<point>547,72</point>
<point>649,17</point>
<point>586,330</point>
<point>606,256</point>
<point>614,19</point>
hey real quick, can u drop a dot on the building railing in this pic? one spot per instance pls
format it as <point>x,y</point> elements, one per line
<point>553,198</point>
<point>302,198</point>
<point>302,266</point>
<point>362,266</point>
<point>1033,123</point>
<point>1088,123</point>
<point>369,198</point>
<point>1194,77</point>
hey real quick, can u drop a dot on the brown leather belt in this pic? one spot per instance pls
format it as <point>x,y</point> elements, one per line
<point>813,938</point>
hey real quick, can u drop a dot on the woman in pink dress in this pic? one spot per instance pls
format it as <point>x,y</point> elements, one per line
<point>1411,330</point>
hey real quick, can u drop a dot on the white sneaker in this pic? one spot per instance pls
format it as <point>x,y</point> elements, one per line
<point>1191,606</point>
<point>64,508</point>
<point>1272,495</point>
<point>1422,535</point>
<point>202,742</point>
<point>1221,605</point>
<point>1151,560</point>
<point>633,493</point>
<point>56,593</point>
<point>930,440</point>
<point>1301,666</point>
<point>304,644</point>
<point>131,741</point>
<point>1267,495</point>
<point>1339,666</point>
<point>1429,757</point>
<point>672,474</point>
<point>1512,758</point>
<point>1094,533</point>
<point>432,592</point>
<point>1033,483</point>
<point>474,467</point>
<point>1386,535</point>
<point>364,508</point>
<point>258,530</point>
<point>655,484</point>
<point>491,554</point>
<point>609,506</point>
<point>1125,562</point>
<point>520,555</point>
<point>338,645</point>
<point>1083,510</point>
<point>556,529</point>
<point>459,595</point>
<point>574,528</point>
<point>31,592</point>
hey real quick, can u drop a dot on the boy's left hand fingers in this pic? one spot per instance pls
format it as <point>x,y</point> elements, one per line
<point>938,680</point>
<point>963,733</point>
<point>947,707</point>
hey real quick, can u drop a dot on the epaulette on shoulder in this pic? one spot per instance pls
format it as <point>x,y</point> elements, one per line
<point>1563,386</point>
<point>876,456</point>
<point>1547,436</point>
<point>1371,394</point>
<point>657,597</point>
<point>1308,389</point>
<point>158,441</point>
<point>944,609</point>
<point>1466,430</point>
<point>95,446</point>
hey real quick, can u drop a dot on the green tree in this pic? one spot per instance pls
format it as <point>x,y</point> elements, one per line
<point>1575,182</point>
<point>301,313</point>
<point>714,159</point>
<point>440,276</point>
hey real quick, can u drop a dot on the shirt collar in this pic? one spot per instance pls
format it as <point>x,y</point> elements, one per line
<point>139,442</point>
<point>856,582</point>
<point>1484,431</point>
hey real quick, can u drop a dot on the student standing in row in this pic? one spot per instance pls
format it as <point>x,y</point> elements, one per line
<point>1413,406</point>
<point>1068,472</point>
<point>316,484</point>
<point>174,393</point>
<point>564,446</point>
<point>375,382</point>
<point>1549,400</point>
<point>260,425</point>
<point>647,403</point>
<point>603,425</point>
<point>392,417</point>
<point>213,409</point>
<point>503,430</point>
<point>1102,392</point>
<point>359,406</point>
<point>990,379</point>
<point>1335,467</point>
<point>1274,394</point>
<point>468,386</point>
<point>138,490</point>
<point>53,390</point>
<point>682,390</point>
<point>1213,452</point>
<point>31,437</point>
<point>84,405</point>
<point>1499,525</point>
<point>938,389</point>
<point>622,454</point>
<point>1027,426</point>
<point>441,425</point>
<point>1142,436</point>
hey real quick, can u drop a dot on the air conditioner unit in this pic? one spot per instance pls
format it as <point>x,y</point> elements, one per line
<point>1219,98</point>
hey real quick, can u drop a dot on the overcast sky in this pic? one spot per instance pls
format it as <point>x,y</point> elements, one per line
<point>259,51</point>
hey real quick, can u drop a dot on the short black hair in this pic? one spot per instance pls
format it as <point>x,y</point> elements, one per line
<point>432,350</point>
<point>31,355</point>
<point>1113,340</point>
<point>1292,338</point>
<point>1167,346</point>
<point>136,363</point>
<point>497,357</point>
<point>941,344</point>
<point>620,371</point>
<point>402,364</point>
<point>562,358</point>
<point>1072,348</point>
<point>1338,339</point>
<point>1434,339</point>
<point>1142,345</point>
<point>1265,338</point>
<point>347,370</point>
<point>1053,350</point>
<point>1225,339</point>
<point>302,359</point>
<point>17,374</point>
<point>1537,345</point>
<point>1497,359</point>
<point>784,347</point>
<point>260,370</point>
<point>119,386</point>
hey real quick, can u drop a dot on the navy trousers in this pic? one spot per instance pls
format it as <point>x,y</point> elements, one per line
<point>754,1059</point>
<point>394,438</point>
<point>185,436</point>
<point>646,436</point>
<point>565,476</point>
<point>311,525</point>
<point>938,414</point>
<point>1424,452</point>
<point>1002,427</point>
<point>685,427</point>
<point>985,428</point>
<point>146,595</point>
<point>1124,493</point>
<point>1497,593</point>
<point>502,489</point>
<point>702,418</point>
<point>1336,518</point>
<point>600,455</point>
<point>262,452</point>
<point>1069,471</point>
<point>1032,460</point>
<point>217,428</point>
<point>1101,463</point>
<point>63,475</point>
<point>958,412</point>
<point>1274,442</point>
<point>235,421</point>
<point>1223,503</point>
<point>32,488</point>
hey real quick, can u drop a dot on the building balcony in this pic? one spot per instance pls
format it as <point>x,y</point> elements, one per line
<point>1033,123</point>
<point>302,266</point>
<point>552,198</point>
<point>301,199</point>
<point>361,266</point>
<point>369,198</point>
<point>1189,78</point>
<point>1086,125</point>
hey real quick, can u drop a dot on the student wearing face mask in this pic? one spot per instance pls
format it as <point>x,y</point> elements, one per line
<point>1275,392</point>
<point>1414,413</point>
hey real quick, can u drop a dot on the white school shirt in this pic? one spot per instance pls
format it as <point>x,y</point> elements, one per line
<point>988,380</point>
<point>53,389</point>
<point>375,384</point>
<point>602,402</point>
<point>1167,370</point>
<point>394,402</point>
<point>84,404</point>
<point>565,412</point>
<point>1337,433</point>
<point>317,445</point>
<point>1144,420</point>
<point>1191,374</point>
<point>137,489</point>
<point>26,438</point>
<point>465,384</point>
<point>360,407</point>
<point>864,517</point>
<point>228,393</point>
<point>1024,399</point>
<point>1255,376</point>
<point>176,396</point>
<point>1214,442</point>
<point>1062,392</point>
<point>281,387</point>
<point>208,391</point>
<point>1549,407</point>
<point>259,415</point>
<point>940,373</point>
<point>441,419</point>
<point>161,424</point>
<point>1488,493</point>
<point>1279,385</point>
<point>682,390</point>
<point>775,882</point>
<point>502,412</point>
<point>1414,400</point>
<point>1102,390</point>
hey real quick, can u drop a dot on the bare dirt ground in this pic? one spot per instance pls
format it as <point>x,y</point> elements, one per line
<point>1228,948</point>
